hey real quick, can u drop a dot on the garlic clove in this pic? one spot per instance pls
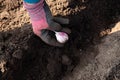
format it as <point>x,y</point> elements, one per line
<point>61,37</point>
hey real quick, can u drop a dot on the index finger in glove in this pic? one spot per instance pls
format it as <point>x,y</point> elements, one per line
<point>54,26</point>
<point>66,30</point>
<point>61,20</point>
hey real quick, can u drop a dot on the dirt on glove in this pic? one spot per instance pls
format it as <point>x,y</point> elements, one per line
<point>92,52</point>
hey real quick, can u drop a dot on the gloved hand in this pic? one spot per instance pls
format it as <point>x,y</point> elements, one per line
<point>44,24</point>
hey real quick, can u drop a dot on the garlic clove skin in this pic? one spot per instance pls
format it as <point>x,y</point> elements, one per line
<point>61,37</point>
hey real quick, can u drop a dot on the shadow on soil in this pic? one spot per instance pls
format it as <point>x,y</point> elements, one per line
<point>28,58</point>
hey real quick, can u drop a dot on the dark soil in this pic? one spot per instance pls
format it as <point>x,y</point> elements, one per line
<point>28,58</point>
<point>115,73</point>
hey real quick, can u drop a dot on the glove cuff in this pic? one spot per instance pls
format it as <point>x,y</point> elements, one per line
<point>35,10</point>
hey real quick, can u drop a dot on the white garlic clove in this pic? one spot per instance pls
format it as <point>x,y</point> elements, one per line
<point>61,37</point>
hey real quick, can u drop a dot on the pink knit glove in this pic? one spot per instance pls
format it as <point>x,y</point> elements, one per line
<point>43,24</point>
